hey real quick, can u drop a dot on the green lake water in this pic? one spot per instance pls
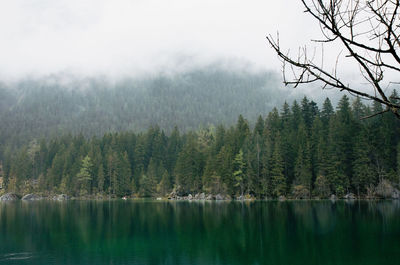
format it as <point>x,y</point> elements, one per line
<point>158,232</point>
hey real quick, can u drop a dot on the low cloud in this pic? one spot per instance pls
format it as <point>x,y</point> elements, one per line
<point>124,37</point>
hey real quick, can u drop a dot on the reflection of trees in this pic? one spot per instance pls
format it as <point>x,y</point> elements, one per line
<point>203,233</point>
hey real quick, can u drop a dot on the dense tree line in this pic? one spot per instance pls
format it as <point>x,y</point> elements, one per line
<point>48,106</point>
<point>299,151</point>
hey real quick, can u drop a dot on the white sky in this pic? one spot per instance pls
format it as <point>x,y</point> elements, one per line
<point>115,37</point>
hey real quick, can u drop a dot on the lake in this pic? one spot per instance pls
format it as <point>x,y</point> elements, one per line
<point>162,232</point>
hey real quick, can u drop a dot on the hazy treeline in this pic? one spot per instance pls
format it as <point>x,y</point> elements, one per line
<point>299,150</point>
<point>54,105</point>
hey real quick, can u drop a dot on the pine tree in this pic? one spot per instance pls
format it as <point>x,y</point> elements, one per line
<point>100,178</point>
<point>238,171</point>
<point>362,167</point>
<point>188,170</point>
<point>85,175</point>
<point>124,176</point>
<point>224,169</point>
<point>164,187</point>
<point>303,172</point>
<point>327,112</point>
<point>148,186</point>
<point>259,127</point>
<point>277,177</point>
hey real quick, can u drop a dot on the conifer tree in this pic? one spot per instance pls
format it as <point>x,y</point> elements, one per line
<point>326,112</point>
<point>362,168</point>
<point>188,168</point>
<point>238,171</point>
<point>85,175</point>
<point>277,176</point>
<point>164,186</point>
<point>100,178</point>
<point>148,186</point>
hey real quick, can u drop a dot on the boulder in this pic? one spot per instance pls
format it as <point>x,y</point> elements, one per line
<point>333,197</point>
<point>240,198</point>
<point>61,197</point>
<point>190,197</point>
<point>396,194</point>
<point>219,197</point>
<point>282,198</point>
<point>209,197</point>
<point>31,197</point>
<point>349,196</point>
<point>202,196</point>
<point>9,197</point>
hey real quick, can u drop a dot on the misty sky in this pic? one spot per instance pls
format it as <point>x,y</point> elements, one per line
<point>133,36</point>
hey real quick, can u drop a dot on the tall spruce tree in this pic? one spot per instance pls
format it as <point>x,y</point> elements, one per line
<point>278,181</point>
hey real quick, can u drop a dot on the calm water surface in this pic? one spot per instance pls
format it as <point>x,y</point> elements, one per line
<point>154,232</point>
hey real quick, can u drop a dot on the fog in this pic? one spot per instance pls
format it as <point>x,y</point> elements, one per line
<point>131,37</point>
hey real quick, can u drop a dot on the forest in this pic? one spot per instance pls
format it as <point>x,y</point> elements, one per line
<point>298,151</point>
<point>58,104</point>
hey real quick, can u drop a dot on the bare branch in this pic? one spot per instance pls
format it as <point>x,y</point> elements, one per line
<point>369,32</point>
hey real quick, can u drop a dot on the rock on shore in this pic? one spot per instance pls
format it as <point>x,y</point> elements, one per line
<point>9,197</point>
<point>198,197</point>
<point>31,197</point>
<point>61,197</point>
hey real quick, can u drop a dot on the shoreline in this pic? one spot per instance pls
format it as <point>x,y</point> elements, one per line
<point>9,197</point>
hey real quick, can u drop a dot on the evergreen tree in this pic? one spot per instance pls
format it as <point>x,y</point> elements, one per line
<point>148,186</point>
<point>164,187</point>
<point>327,112</point>
<point>238,171</point>
<point>188,168</point>
<point>363,173</point>
<point>100,178</point>
<point>277,177</point>
<point>85,175</point>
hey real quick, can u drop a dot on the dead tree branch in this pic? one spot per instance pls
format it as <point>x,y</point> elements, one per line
<point>369,33</point>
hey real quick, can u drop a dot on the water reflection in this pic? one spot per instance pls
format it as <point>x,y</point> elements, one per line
<point>154,232</point>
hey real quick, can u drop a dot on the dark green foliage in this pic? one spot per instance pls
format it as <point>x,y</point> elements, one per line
<point>188,170</point>
<point>278,180</point>
<point>238,172</point>
<point>299,152</point>
<point>85,175</point>
<point>44,107</point>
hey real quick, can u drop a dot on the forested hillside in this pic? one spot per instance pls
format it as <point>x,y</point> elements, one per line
<point>299,151</point>
<point>60,104</point>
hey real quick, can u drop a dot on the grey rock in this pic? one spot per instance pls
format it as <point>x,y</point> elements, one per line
<point>202,196</point>
<point>31,197</point>
<point>61,197</point>
<point>209,197</point>
<point>9,197</point>
<point>282,198</point>
<point>350,196</point>
<point>190,197</point>
<point>395,194</point>
<point>333,197</point>
<point>219,197</point>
